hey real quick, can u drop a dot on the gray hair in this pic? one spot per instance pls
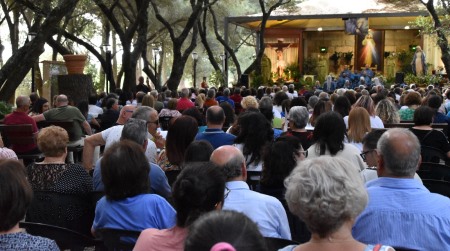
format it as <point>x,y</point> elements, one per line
<point>22,100</point>
<point>154,93</point>
<point>226,92</point>
<point>299,116</point>
<point>312,101</point>
<point>143,112</point>
<point>325,192</point>
<point>211,93</point>
<point>135,130</point>
<point>184,92</point>
<point>340,91</point>
<point>232,168</point>
<point>399,160</point>
<point>266,103</point>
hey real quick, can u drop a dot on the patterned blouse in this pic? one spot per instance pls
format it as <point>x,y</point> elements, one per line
<point>61,178</point>
<point>24,241</point>
<point>164,163</point>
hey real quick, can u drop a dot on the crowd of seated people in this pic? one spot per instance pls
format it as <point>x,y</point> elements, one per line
<point>270,130</point>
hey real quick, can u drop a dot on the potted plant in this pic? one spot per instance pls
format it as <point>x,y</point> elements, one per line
<point>348,57</point>
<point>335,58</point>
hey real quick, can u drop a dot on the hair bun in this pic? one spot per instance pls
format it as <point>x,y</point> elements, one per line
<point>222,246</point>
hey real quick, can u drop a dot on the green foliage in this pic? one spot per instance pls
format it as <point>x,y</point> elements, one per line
<point>216,78</point>
<point>310,66</point>
<point>405,58</point>
<point>90,69</point>
<point>293,70</point>
<point>257,81</point>
<point>348,56</point>
<point>422,81</point>
<point>5,108</point>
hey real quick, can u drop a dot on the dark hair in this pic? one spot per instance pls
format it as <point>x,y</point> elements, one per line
<point>329,137</point>
<point>180,134</point>
<point>321,107</point>
<point>279,97</point>
<point>16,193</point>
<point>37,105</point>
<point>199,188</point>
<point>435,101</point>
<point>215,116</point>
<point>279,161</point>
<point>300,101</point>
<point>224,226</point>
<point>92,99</point>
<point>255,131</point>
<point>342,106</point>
<point>229,114</point>
<point>196,114</point>
<point>110,102</point>
<point>351,96</point>
<point>83,106</point>
<point>371,138</point>
<point>125,170</point>
<point>198,150</point>
<point>423,115</point>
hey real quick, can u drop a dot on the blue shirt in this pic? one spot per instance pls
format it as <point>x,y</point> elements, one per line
<point>266,211</point>
<point>403,213</point>
<point>158,180</point>
<point>134,213</point>
<point>216,137</point>
<point>225,99</point>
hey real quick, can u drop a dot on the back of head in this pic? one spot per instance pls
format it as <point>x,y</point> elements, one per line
<point>279,97</point>
<point>196,114</point>
<point>299,116</point>
<point>435,101</point>
<point>139,96</point>
<point>125,170</point>
<point>199,188</point>
<point>22,100</point>
<point>135,130</point>
<point>329,137</point>
<point>371,139</point>
<point>16,193</point>
<point>52,141</point>
<point>180,134</point>
<point>143,113</point>
<point>215,115</point>
<point>366,102</point>
<point>226,92</point>
<point>230,160</point>
<point>111,102</point>
<point>229,228</point>
<point>266,108</point>
<point>325,192</point>
<point>413,98</point>
<point>358,124</point>
<point>93,99</point>
<point>249,102</point>
<point>400,151</point>
<point>198,150</point>
<point>184,93</point>
<point>423,115</point>
<point>211,93</point>
<point>342,106</point>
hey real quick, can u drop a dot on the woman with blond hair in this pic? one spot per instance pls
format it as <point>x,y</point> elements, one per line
<point>387,112</point>
<point>358,126</point>
<point>367,103</point>
<point>148,100</point>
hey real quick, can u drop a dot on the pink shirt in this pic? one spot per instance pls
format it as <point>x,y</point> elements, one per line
<point>171,239</point>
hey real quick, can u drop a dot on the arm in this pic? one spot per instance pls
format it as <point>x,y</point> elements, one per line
<point>88,150</point>
<point>87,127</point>
<point>39,117</point>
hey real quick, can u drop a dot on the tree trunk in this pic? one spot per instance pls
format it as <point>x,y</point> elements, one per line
<point>76,86</point>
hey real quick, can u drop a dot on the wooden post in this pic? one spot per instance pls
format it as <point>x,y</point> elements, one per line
<point>76,86</point>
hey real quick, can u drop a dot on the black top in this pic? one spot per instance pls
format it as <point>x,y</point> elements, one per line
<point>432,138</point>
<point>108,119</point>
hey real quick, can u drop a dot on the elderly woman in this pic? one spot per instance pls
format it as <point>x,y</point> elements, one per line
<point>387,112</point>
<point>329,140</point>
<point>16,198</point>
<point>171,110</point>
<point>366,102</point>
<point>197,190</point>
<point>327,194</point>
<point>412,101</point>
<point>53,174</point>
<point>298,119</point>
<point>128,204</point>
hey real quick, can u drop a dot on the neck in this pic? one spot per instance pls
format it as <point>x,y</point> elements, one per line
<point>14,229</point>
<point>342,235</point>
<point>298,130</point>
<point>212,126</point>
<point>54,160</point>
<point>422,127</point>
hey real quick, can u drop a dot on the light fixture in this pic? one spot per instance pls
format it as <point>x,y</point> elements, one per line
<point>222,56</point>
<point>319,29</point>
<point>407,27</point>
<point>323,49</point>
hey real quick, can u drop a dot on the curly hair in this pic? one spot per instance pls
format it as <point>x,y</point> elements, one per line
<point>328,137</point>
<point>413,98</point>
<point>52,141</point>
<point>255,132</point>
<point>325,192</point>
<point>387,112</point>
<point>249,102</point>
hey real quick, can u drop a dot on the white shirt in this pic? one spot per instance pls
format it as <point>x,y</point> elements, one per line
<point>375,122</point>
<point>95,110</point>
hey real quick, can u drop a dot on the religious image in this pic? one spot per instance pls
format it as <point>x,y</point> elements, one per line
<point>357,26</point>
<point>281,52</point>
<point>369,49</point>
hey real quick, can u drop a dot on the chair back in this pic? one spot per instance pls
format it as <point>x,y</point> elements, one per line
<point>437,186</point>
<point>72,211</point>
<point>118,239</point>
<point>164,122</point>
<point>431,154</point>
<point>67,125</point>
<point>434,171</point>
<point>273,244</point>
<point>17,134</point>
<point>64,238</point>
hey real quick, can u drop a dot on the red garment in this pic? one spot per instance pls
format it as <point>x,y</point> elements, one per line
<point>21,118</point>
<point>210,102</point>
<point>183,104</point>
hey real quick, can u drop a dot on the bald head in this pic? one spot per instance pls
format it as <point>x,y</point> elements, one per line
<point>125,114</point>
<point>399,152</point>
<point>215,116</point>
<point>62,100</point>
<point>231,161</point>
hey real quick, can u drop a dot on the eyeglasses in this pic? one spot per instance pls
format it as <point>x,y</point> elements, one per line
<point>227,191</point>
<point>129,111</point>
<point>363,154</point>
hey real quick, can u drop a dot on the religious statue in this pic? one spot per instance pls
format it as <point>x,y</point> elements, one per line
<point>419,65</point>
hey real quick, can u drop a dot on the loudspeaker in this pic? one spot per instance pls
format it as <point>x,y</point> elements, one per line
<point>244,80</point>
<point>399,77</point>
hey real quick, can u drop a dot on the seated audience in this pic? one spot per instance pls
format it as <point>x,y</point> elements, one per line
<point>367,103</point>
<point>40,106</point>
<point>53,174</point>
<point>198,189</point>
<point>329,140</point>
<point>16,198</point>
<point>184,102</point>
<point>358,126</point>
<point>298,119</point>
<point>215,117</point>
<point>198,151</point>
<point>171,110</point>
<point>401,211</point>
<point>181,133</point>
<point>224,231</point>
<point>387,112</point>
<point>412,101</point>
<point>266,210</point>
<point>210,98</point>
<point>127,204</point>
<point>327,194</point>
<point>110,116</point>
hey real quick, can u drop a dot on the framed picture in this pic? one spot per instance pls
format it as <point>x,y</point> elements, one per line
<point>357,26</point>
<point>369,50</point>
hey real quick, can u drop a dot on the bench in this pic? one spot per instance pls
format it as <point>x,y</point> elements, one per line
<point>20,135</point>
<point>437,126</point>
